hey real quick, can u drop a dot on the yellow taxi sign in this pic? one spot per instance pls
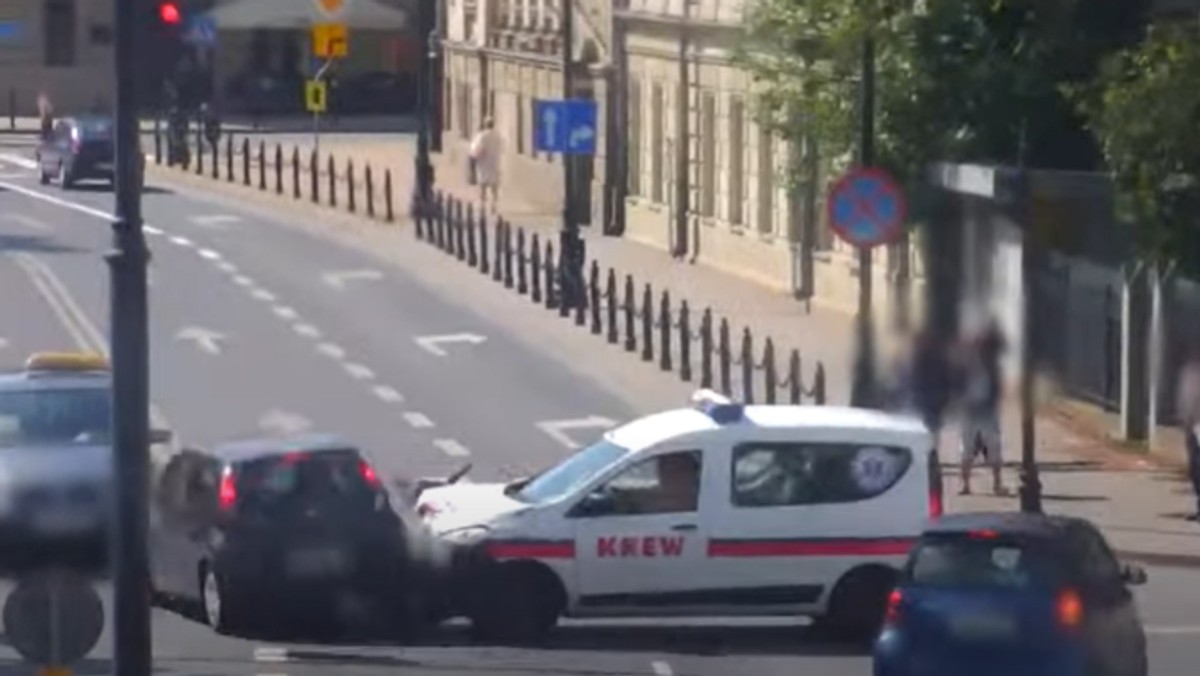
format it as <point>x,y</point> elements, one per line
<point>315,96</point>
<point>54,671</point>
<point>66,361</point>
<point>330,40</point>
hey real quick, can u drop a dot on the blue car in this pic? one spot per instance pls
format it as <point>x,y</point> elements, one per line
<point>1006,593</point>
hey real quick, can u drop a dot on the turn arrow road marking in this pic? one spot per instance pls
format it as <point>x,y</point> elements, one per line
<point>558,429</point>
<point>208,341</point>
<point>432,344</point>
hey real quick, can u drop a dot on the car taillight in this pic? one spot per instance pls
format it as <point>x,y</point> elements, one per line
<point>227,493</point>
<point>936,504</point>
<point>368,474</point>
<point>1069,609</point>
<point>936,508</point>
<point>891,616</point>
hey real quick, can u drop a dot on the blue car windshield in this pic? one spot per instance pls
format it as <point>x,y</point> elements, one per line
<point>54,416</point>
<point>967,562</point>
<point>568,476</point>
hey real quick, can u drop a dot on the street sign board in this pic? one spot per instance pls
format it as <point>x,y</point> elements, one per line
<point>331,9</point>
<point>201,30</point>
<point>53,619</point>
<point>866,208</point>
<point>330,40</point>
<point>567,127</point>
<point>315,96</point>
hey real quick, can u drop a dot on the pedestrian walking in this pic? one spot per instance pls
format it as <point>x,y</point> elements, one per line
<point>1188,408</point>
<point>45,114</point>
<point>484,157</point>
<point>983,392</point>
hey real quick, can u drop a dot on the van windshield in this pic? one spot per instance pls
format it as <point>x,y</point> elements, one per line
<point>568,476</point>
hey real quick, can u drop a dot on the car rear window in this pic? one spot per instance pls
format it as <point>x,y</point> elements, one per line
<point>974,561</point>
<point>96,129</point>
<point>54,416</point>
<point>285,483</point>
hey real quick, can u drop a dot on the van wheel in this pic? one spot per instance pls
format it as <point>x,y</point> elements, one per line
<point>517,603</point>
<point>858,603</point>
<point>43,175</point>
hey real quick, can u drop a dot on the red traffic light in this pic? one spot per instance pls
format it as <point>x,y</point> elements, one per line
<point>169,13</point>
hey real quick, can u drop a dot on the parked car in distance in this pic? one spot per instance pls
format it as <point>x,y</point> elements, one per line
<point>77,149</point>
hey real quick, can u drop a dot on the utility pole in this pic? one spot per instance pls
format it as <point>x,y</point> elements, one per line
<point>570,244</point>
<point>130,347</point>
<point>1031,483</point>
<point>863,387</point>
<point>422,195</point>
<point>683,145</point>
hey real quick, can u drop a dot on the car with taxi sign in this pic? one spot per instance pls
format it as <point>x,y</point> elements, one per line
<point>1012,593</point>
<point>715,509</point>
<point>56,461</point>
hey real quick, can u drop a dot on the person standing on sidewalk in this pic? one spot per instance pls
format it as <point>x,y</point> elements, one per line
<point>485,155</point>
<point>1189,414</point>
<point>982,398</point>
<point>45,114</point>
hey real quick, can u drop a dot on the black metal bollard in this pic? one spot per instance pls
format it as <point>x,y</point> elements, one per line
<point>794,385</point>
<point>441,224</point>
<point>460,235</point>
<point>387,196</point>
<point>460,213</point>
<point>551,295</point>
<point>498,259</point>
<point>262,165</point>
<point>472,229</point>
<point>295,173</point>
<point>246,162</point>
<point>158,156</point>
<point>647,323</point>
<point>819,385</point>
<point>332,168</point>
<point>747,366</point>
<point>216,160</point>
<point>685,342</point>
<point>664,336</point>
<point>314,177</point>
<point>726,358</point>
<point>435,217</point>
<point>630,307</point>
<point>508,255</point>
<point>483,244</point>
<point>351,189</point>
<point>278,170</point>
<point>706,348</point>
<point>770,378</point>
<point>535,269</point>
<point>229,158</point>
<point>199,151</point>
<point>610,296</point>
<point>594,295</point>
<point>522,259</point>
<point>371,198</point>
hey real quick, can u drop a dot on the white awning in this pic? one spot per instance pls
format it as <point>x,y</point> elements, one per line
<point>279,14</point>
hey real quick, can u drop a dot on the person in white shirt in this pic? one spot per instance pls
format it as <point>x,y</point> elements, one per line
<point>485,153</point>
<point>1188,409</point>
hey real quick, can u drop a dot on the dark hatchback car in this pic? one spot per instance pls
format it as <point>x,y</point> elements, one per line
<point>258,534</point>
<point>77,149</point>
<point>1009,593</point>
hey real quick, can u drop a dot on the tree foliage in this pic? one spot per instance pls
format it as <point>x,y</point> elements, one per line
<point>1144,107</point>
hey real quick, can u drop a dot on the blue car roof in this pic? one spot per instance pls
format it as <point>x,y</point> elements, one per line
<point>1004,523</point>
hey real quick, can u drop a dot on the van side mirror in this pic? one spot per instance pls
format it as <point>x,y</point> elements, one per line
<point>596,503</point>
<point>1133,575</point>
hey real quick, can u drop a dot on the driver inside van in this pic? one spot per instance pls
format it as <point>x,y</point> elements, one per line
<point>678,484</point>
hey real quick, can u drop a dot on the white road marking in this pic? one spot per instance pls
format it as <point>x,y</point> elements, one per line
<point>332,351</point>
<point>66,204</point>
<point>12,176</point>
<point>307,330</point>
<point>384,392</point>
<point>27,221</point>
<point>216,221</point>
<point>207,340</point>
<point>451,448</point>
<point>283,422</point>
<point>557,429</point>
<point>243,280</point>
<point>338,279</point>
<point>417,420</point>
<point>661,668</point>
<point>270,654</point>
<point>1184,630</point>
<point>23,162</point>
<point>263,295</point>
<point>210,254</point>
<point>182,241</point>
<point>151,230</point>
<point>228,267</point>
<point>4,343</point>
<point>359,372</point>
<point>432,344</point>
<point>285,312</point>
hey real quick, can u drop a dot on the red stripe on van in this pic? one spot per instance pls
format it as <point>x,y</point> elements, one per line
<point>531,549</point>
<point>812,547</point>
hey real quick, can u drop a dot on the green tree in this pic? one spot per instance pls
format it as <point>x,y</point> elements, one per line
<point>1144,107</point>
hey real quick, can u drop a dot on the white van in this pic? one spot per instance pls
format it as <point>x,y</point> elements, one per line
<point>714,510</point>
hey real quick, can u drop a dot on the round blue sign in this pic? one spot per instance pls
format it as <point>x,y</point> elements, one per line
<point>866,208</point>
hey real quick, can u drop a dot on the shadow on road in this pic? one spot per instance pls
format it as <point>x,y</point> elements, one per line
<point>33,244</point>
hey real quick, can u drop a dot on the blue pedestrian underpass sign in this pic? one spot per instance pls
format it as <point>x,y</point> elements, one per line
<point>567,127</point>
<point>866,208</point>
<point>201,30</point>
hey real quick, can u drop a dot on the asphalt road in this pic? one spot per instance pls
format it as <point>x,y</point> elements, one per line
<point>258,327</point>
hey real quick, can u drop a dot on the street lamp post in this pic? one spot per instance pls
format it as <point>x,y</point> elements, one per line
<point>1030,490</point>
<point>862,389</point>
<point>570,243</point>
<point>130,365</point>
<point>422,194</point>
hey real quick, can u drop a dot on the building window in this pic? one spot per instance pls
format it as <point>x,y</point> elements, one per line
<point>60,31</point>
<point>784,474</point>
<point>766,181</point>
<point>708,155</point>
<point>657,149</point>
<point>737,161</point>
<point>448,104</point>
<point>633,142</point>
<point>464,111</point>
<point>520,127</point>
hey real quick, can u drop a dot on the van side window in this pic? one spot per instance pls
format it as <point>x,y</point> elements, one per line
<point>664,484</point>
<point>791,473</point>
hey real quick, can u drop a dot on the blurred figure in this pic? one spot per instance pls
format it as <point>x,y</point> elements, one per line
<point>931,379</point>
<point>211,124</point>
<point>1189,415</point>
<point>982,396</point>
<point>485,155</point>
<point>45,115</point>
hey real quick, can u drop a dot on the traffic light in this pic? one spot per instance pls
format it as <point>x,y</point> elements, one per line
<point>169,13</point>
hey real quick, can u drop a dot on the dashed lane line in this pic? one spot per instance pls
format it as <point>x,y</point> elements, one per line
<point>227,267</point>
<point>182,241</point>
<point>332,350</point>
<point>417,420</point>
<point>243,280</point>
<point>359,371</point>
<point>307,330</point>
<point>263,295</point>
<point>285,312</point>
<point>661,668</point>
<point>270,654</point>
<point>451,448</point>
<point>388,394</point>
<point>209,254</point>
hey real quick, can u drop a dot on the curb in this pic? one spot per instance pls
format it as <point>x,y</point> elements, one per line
<point>1165,560</point>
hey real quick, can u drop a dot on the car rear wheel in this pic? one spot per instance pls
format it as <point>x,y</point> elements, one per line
<point>64,177</point>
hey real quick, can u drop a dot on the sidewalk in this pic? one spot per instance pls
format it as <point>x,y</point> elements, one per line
<point>1140,505</point>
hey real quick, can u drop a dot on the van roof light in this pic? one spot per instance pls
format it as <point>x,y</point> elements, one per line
<point>717,406</point>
